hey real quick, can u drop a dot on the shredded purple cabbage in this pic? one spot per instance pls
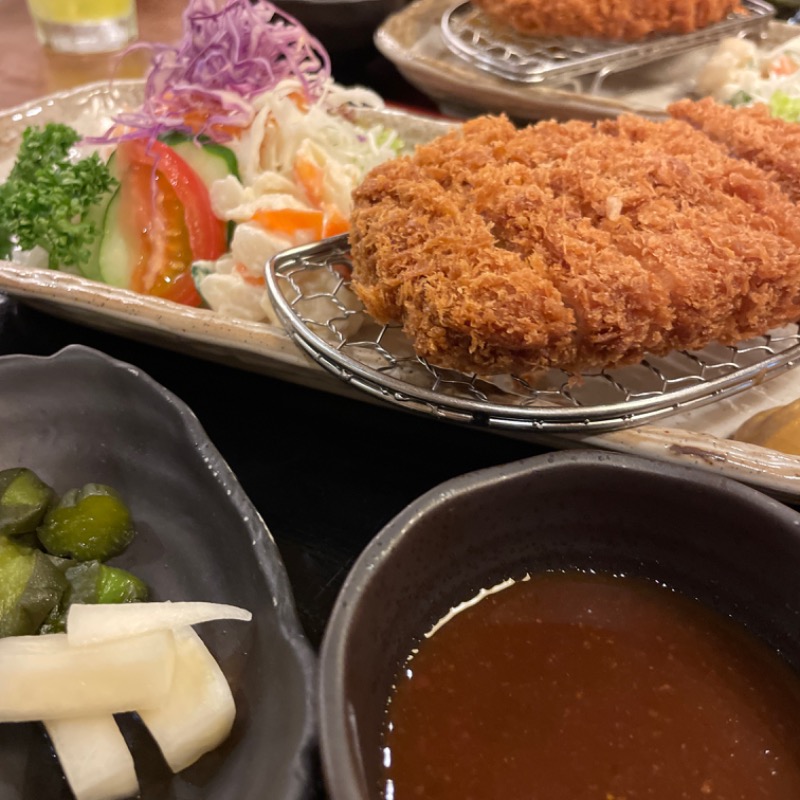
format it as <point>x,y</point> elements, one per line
<point>203,86</point>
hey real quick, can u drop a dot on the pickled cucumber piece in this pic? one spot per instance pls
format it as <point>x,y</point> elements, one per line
<point>92,582</point>
<point>31,586</point>
<point>24,499</point>
<point>55,621</point>
<point>91,523</point>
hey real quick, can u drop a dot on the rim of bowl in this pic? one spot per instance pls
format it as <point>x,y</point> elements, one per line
<point>340,765</point>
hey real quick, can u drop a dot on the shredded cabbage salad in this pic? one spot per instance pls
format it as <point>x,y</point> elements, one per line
<point>226,57</point>
<point>739,72</point>
<point>247,78</point>
<point>298,166</point>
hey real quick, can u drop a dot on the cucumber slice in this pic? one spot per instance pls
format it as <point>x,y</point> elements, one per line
<point>115,260</point>
<point>97,216</point>
<point>211,161</point>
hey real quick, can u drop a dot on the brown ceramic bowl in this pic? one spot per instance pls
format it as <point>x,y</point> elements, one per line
<point>728,545</point>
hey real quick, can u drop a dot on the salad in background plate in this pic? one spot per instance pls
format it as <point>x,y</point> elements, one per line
<point>740,72</point>
<point>244,146</point>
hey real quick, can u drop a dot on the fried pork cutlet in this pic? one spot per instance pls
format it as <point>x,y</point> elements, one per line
<point>573,245</point>
<point>621,20</point>
<point>750,133</point>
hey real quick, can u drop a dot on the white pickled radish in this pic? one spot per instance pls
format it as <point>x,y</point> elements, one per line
<point>44,677</point>
<point>89,623</point>
<point>94,757</point>
<point>198,714</point>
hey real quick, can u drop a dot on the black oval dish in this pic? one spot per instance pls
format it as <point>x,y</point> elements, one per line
<point>728,545</point>
<point>79,416</point>
<point>343,26</point>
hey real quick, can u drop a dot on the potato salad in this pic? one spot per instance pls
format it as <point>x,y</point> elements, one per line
<point>740,72</point>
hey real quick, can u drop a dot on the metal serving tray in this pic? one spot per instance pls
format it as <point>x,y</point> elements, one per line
<point>500,50</point>
<point>309,288</point>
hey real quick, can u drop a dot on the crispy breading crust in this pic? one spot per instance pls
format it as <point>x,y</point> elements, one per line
<point>750,133</point>
<point>573,245</point>
<point>621,20</point>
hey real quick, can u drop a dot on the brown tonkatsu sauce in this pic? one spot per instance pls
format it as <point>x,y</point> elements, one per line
<point>574,686</point>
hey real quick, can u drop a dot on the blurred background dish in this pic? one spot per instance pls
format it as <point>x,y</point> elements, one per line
<point>489,43</point>
<point>411,39</point>
<point>81,416</point>
<point>342,25</point>
<point>711,539</point>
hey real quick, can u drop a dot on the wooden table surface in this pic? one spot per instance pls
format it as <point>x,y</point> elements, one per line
<point>28,70</point>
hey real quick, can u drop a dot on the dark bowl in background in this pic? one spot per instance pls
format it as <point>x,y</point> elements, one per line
<point>80,416</point>
<point>343,26</point>
<point>731,547</point>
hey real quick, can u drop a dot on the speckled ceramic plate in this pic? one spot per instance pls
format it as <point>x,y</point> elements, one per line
<point>698,438</point>
<point>80,416</point>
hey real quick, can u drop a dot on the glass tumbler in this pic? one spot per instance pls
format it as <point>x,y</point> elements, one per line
<point>84,26</point>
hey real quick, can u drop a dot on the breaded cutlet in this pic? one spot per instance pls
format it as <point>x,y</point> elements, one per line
<point>749,133</point>
<point>573,245</point>
<point>618,20</point>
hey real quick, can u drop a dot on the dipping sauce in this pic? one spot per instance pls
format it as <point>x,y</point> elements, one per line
<point>574,686</point>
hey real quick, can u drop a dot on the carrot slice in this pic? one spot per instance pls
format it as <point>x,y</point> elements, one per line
<point>785,65</point>
<point>309,176</point>
<point>334,222</point>
<point>290,221</point>
<point>247,276</point>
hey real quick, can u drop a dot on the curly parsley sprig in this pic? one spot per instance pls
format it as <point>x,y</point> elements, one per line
<point>47,198</point>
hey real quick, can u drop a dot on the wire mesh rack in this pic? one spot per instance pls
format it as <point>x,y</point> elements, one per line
<point>500,50</point>
<point>309,287</point>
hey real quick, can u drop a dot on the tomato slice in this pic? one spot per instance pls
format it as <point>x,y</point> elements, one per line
<point>155,232</point>
<point>168,209</point>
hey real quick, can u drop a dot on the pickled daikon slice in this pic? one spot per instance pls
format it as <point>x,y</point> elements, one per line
<point>88,624</point>
<point>45,678</point>
<point>94,757</point>
<point>199,712</point>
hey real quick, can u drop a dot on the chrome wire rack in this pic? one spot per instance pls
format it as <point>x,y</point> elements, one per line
<point>500,50</point>
<point>309,288</point>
